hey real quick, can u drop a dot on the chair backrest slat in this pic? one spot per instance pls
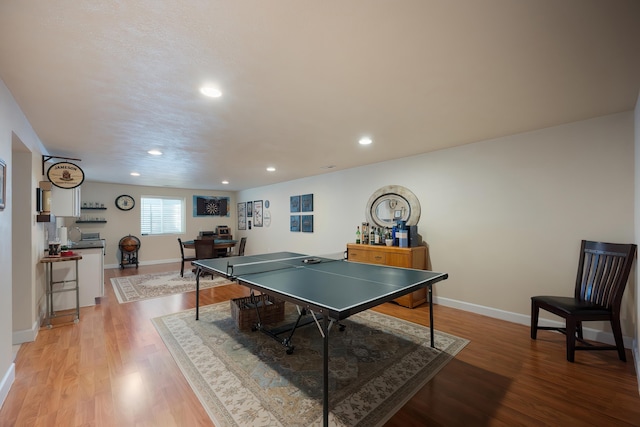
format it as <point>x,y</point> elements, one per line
<point>603,272</point>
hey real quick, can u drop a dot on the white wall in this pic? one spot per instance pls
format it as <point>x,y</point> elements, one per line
<point>17,137</point>
<point>503,217</point>
<point>24,290</point>
<point>7,373</point>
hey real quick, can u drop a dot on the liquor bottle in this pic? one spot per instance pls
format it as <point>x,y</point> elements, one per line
<point>377,236</point>
<point>372,236</point>
<point>358,235</point>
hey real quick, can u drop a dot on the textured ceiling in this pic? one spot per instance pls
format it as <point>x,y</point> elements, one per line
<point>302,81</point>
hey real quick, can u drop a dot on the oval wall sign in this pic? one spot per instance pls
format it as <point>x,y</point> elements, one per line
<point>65,175</point>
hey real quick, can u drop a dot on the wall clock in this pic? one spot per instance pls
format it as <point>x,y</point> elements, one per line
<point>125,202</point>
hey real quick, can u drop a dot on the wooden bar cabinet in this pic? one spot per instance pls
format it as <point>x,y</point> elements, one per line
<point>394,256</point>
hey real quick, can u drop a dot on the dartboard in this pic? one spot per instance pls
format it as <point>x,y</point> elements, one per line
<point>212,208</point>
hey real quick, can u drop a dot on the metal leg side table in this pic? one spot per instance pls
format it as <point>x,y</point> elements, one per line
<point>50,291</point>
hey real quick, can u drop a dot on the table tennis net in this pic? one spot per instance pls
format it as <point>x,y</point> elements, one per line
<point>239,268</point>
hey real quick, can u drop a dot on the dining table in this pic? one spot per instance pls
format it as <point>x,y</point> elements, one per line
<point>218,244</point>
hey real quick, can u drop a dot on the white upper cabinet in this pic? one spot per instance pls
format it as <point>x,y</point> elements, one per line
<point>65,202</point>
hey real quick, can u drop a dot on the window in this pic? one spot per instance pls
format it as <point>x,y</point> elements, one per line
<point>161,215</point>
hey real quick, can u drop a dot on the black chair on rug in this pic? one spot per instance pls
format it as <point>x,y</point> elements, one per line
<point>184,258</point>
<point>603,271</point>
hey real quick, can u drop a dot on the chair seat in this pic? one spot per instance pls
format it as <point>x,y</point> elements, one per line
<point>571,306</point>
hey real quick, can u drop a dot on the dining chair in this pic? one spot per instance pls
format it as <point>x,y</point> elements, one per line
<point>184,258</point>
<point>243,243</point>
<point>205,249</point>
<point>603,271</point>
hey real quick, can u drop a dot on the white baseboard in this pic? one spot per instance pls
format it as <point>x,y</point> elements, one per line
<point>7,381</point>
<point>162,261</point>
<point>589,334</point>
<point>26,335</point>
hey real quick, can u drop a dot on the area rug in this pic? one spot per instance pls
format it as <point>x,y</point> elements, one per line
<point>146,286</point>
<point>245,378</point>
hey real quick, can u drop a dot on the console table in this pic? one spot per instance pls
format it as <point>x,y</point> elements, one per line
<point>394,256</point>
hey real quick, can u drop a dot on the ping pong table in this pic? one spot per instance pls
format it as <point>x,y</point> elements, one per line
<point>330,288</point>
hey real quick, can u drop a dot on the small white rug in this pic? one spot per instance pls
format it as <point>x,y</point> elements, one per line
<point>146,286</point>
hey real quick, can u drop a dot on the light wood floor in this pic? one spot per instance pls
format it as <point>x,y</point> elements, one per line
<point>112,369</point>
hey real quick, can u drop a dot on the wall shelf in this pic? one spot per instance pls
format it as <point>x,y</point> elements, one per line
<point>94,222</point>
<point>93,209</point>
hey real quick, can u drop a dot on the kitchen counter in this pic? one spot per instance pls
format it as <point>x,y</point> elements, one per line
<point>91,274</point>
<point>88,244</point>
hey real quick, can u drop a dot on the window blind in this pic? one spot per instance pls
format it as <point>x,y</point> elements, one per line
<point>161,215</point>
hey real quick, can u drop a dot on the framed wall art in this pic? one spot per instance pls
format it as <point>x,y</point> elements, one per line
<point>307,223</point>
<point>257,213</point>
<point>211,206</point>
<point>307,202</point>
<point>242,216</point>
<point>294,204</point>
<point>249,209</point>
<point>3,184</point>
<point>294,223</point>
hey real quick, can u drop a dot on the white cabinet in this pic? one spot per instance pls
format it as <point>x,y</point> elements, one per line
<point>90,275</point>
<point>65,202</point>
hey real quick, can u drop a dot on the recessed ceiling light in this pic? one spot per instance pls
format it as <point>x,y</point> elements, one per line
<point>155,152</point>
<point>225,182</point>
<point>271,169</point>
<point>365,140</point>
<point>210,91</point>
<point>135,174</point>
<point>328,167</point>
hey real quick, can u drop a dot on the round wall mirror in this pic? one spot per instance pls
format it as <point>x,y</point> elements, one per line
<point>391,204</point>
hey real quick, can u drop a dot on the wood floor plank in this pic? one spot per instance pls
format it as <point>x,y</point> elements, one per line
<point>112,369</point>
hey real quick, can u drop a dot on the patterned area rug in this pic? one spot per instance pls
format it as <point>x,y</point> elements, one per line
<point>245,378</point>
<point>145,286</point>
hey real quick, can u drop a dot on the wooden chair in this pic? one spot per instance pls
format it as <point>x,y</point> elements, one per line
<point>184,258</point>
<point>243,243</point>
<point>603,271</point>
<point>205,249</point>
